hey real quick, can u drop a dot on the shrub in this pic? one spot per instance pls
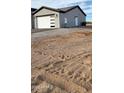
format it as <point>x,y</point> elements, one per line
<point>83,23</point>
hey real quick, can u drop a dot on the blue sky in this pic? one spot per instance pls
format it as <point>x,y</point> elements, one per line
<point>86,5</point>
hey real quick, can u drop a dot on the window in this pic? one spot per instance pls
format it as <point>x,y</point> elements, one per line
<point>52,23</point>
<point>52,26</point>
<point>65,20</point>
<point>52,19</point>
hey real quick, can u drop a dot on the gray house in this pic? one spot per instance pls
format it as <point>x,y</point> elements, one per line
<point>46,17</point>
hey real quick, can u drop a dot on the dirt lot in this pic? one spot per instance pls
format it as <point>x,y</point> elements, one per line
<point>61,62</point>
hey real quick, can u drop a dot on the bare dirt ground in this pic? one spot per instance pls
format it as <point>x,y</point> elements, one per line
<point>61,62</point>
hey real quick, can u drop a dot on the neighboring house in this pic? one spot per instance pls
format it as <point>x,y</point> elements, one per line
<point>46,17</point>
<point>32,20</point>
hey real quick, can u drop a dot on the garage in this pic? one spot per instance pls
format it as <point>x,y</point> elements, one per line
<point>43,22</point>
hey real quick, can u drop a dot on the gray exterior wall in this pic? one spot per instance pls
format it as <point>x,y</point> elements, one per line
<point>32,22</point>
<point>44,12</point>
<point>71,18</point>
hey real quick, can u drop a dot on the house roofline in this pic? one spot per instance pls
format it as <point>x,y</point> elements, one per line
<point>49,8</point>
<point>59,10</point>
<point>76,7</point>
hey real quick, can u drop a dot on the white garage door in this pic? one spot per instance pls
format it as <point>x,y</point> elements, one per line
<point>43,22</point>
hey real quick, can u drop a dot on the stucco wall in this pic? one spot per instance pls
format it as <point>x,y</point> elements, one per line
<point>71,18</point>
<point>44,11</point>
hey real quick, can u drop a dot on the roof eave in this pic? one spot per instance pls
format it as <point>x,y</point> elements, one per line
<point>82,11</point>
<point>60,11</point>
<point>46,8</point>
<point>74,8</point>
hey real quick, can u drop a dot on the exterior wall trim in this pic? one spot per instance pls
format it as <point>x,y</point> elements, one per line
<point>45,15</point>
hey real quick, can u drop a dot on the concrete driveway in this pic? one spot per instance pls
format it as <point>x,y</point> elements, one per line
<point>54,32</point>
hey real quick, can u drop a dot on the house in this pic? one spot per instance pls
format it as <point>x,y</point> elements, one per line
<point>46,17</point>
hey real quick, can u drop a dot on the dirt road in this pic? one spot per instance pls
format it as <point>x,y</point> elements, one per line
<point>61,61</point>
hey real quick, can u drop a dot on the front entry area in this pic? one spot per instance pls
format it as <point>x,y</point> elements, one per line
<point>76,21</point>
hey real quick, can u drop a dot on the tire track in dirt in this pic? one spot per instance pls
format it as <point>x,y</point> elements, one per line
<point>63,62</point>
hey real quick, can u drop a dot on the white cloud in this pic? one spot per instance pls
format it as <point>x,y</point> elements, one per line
<point>57,3</point>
